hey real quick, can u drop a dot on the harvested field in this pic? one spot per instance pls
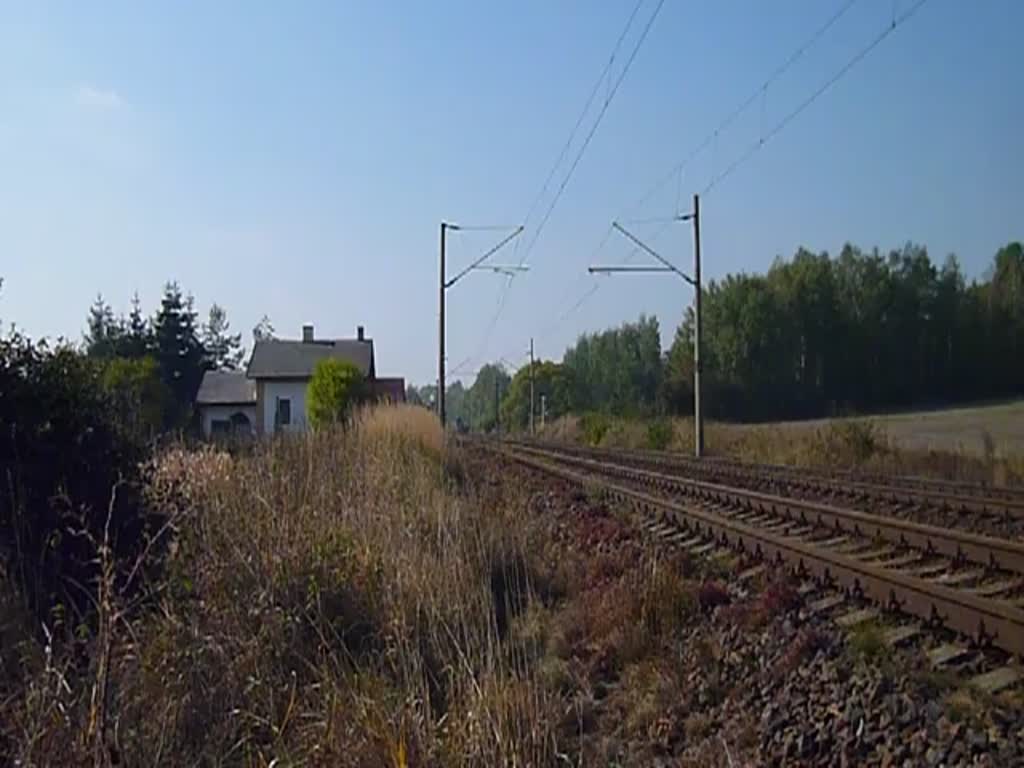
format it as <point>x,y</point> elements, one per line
<point>975,431</point>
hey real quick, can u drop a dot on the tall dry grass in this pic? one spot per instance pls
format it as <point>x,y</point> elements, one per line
<point>840,444</point>
<point>327,600</point>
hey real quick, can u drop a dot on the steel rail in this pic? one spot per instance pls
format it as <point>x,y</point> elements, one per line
<point>955,544</point>
<point>911,490</point>
<point>984,620</point>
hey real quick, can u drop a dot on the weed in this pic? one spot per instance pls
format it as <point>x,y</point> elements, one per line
<point>659,434</point>
<point>711,595</point>
<point>595,426</point>
<point>866,641</point>
<point>329,597</point>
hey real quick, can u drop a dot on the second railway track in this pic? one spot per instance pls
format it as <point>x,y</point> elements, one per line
<point>966,583</point>
<point>943,505</point>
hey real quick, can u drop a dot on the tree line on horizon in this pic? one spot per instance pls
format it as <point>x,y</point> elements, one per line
<point>816,335</point>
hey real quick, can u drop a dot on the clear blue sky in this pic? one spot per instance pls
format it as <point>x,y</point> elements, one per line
<point>295,159</point>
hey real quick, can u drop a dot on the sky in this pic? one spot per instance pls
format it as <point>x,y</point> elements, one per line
<point>296,159</point>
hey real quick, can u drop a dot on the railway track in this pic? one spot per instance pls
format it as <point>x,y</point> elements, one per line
<point>951,488</point>
<point>944,578</point>
<point>1001,515</point>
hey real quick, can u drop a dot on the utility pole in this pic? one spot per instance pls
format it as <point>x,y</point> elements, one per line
<point>440,335</point>
<point>533,410</point>
<point>667,266</point>
<point>543,410</point>
<point>497,410</point>
<point>698,413</point>
<point>445,284</point>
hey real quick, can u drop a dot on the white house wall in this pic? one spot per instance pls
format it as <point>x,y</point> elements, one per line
<point>294,391</point>
<point>210,413</point>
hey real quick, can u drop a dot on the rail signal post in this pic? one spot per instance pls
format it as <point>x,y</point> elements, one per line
<point>666,266</point>
<point>444,284</point>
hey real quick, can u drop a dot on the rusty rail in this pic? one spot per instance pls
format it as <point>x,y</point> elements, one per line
<point>983,499</point>
<point>984,619</point>
<point>957,545</point>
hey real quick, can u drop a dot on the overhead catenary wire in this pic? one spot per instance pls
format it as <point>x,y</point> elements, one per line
<point>794,113</point>
<point>594,127</point>
<point>583,113</point>
<point>764,138</point>
<point>609,97</point>
<point>743,106</point>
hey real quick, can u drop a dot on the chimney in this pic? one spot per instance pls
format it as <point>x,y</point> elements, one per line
<point>307,333</point>
<point>360,333</point>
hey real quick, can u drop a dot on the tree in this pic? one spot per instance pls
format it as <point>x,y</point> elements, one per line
<point>412,395</point>
<point>179,352</point>
<point>551,381</point>
<point>138,394</point>
<point>63,455</point>
<point>263,330</point>
<point>223,349</point>
<point>336,386</point>
<point>481,406</point>
<point>618,370</point>
<point>138,337</point>
<point>104,335</point>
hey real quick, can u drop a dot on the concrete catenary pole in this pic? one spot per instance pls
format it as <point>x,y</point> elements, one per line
<point>698,414</point>
<point>440,336</point>
<point>533,410</point>
<point>497,403</point>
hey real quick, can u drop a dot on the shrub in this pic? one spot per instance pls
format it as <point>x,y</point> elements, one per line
<point>140,397</point>
<point>329,600</point>
<point>848,442</point>
<point>867,641</point>
<point>659,434</point>
<point>595,426</point>
<point>72,476</point>
<point>336,386</point>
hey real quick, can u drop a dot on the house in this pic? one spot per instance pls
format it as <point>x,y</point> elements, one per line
<point>226,404</point>
<point>276,378</point>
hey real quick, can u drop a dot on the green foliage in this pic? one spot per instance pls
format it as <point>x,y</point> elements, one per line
<point>814,336</point>
<point>223,349</point>
<point>479,410</point>
<point>595,426</point>
<point>867,641</point>
<point>179,352</point>
<point>849,442</point>
<point>618,371</point>
<point>550,381</point>
<point>336,386</point>
<point>138,394</point>
<point>860,332</point>
<point>67,467</point>
<point>659,434</point>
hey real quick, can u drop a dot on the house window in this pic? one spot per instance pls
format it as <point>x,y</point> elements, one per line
<point>284,412</point>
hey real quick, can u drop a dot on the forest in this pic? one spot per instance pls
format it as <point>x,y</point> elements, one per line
<point>817,335</point>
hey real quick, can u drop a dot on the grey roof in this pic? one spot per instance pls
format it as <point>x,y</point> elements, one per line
<point>226,388</point>
<point>278,359</point>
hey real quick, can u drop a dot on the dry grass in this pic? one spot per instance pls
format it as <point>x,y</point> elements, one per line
<point>403,422</point>
<point>877,445</point>
<point>328,600</point>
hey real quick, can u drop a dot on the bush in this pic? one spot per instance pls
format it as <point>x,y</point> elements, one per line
<point>848,443</point>
<point>336,386</point>
<point>141,400</point>
<point>72,476</point>
<point>659,434</point>
<point>595,427</point>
